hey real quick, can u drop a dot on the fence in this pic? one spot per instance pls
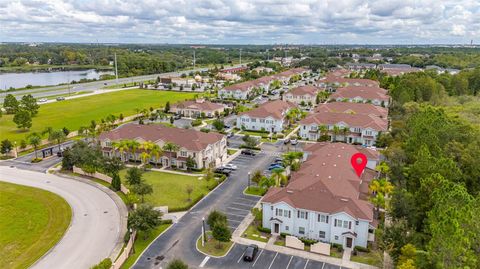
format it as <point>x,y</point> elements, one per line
<point>100,176</point>
<point>293,242</point>
<point>126,252</point>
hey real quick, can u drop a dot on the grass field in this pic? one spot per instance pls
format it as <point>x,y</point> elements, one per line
<point>170,189</point>
<point>80,111</point>
<point>213,247</point>
<point>31,222</point>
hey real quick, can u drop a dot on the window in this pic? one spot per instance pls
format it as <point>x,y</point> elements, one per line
<point>301,230</point>
<point>336,237</point>
<point>262,120</point>
<point>286,212</point>
<point>280,212</point>
<point>345,224</point>
<point>286,228</point>
<point>271,207</point>
<point>254,120</point>
<point>183,153</point>
<point>322,218</point>
<point>356,222</point>
<point>302,215</point>
<point>321,234</point>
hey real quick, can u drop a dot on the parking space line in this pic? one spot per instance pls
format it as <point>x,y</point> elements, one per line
<point>241,204</point>
<point>234,208</point>
<point>232,220</point>
<point>273,260</point>
<point>257,258</point>
<point>204,261</point>
<point>234,215</point>
<point>288,265</point>
<point>306,264</point>
<point>324,266</point>
<point>241,256</point>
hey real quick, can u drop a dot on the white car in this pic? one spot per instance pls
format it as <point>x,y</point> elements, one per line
<point>230,166</point>
<point>43,100</point>
<point>294,141</point>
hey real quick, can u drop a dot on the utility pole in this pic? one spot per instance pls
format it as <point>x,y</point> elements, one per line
<point>240,56</point>
<point>194,59</point>
<point>116,69</point>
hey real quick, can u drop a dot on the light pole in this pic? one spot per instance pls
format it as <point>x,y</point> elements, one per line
<point>248,187</point>
<point>15,147</point>
<point>204,238</point>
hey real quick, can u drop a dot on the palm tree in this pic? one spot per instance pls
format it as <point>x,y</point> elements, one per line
<point>336,131</point>
<point>34,139</point>
<point>121,146</point>
<point>323,130</point>
<point>144,157</point>
<point>278,176</point>
<point>378,201</point>
<point>383,169</point>
<point>133,146</point>
<point>58,136</point>
<point>171,147</point>
<point>344,132</point>
<point>156,151</point>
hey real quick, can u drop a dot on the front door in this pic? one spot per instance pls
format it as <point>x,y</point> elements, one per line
<point>349,242</point>
<point>276,228</point>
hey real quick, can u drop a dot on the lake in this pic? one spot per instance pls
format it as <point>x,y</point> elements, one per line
<point>20,80</point>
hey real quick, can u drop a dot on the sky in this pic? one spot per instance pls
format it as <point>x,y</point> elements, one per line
<point>241,21</point>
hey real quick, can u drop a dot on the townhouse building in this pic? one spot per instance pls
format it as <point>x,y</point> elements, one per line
<point>349,128</point>
<point>197,108</point>
<point>325,200</point>
<point>206,149</point>
<point>339,81</point>
<point>240,91</point>
<point>353,108</point>
<point>361,94</point>
<point>269,117</point>
<point>302,95</point>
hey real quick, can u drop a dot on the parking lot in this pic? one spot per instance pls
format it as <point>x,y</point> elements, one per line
<point>265,259</point>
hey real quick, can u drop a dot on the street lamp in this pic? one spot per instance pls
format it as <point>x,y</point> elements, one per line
<point>204,238</point>
<point>15,147</point>
<point>248,188</point>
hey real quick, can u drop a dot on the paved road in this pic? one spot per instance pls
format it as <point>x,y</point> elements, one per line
<point>179,241</point>
<point>95,230</point>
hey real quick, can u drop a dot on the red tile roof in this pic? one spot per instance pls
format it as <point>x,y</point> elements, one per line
<point>352,120</point>
<point>302,90</point>
<point>187,138</point>
<point>274,109</point>
<point>367,93</point>
<point>327,183</point>
<point>350,81</point>
<point>244,86</point>
<point>202,106</point>
<point>353,108</point>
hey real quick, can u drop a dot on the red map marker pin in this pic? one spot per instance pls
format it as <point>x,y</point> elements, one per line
<point>359,162</point>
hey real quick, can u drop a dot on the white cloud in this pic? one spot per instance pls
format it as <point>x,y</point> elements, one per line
<point>247,21</point>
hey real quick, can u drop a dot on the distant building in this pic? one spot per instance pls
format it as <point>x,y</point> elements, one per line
<point>303,94</point>
<point>360,66</point>
<point>269,117</point>
<point>362,94</point>
<point>195,109</point>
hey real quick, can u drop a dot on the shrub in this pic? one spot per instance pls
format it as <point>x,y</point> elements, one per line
<point>205,130</point>
<point>36,160</point>
<point>361,249</point>
<point>177,264</point>
<point>186,207</point>
<point>280,135</point>
<point>257,213</point>
<point>283,235</point>
<point>196,122</point>
<point>214,217</point>
<point>104,264</point>
<point>167,221</point>
<point>308,241</point>
<point>264,230</point>
<point>339,247</point>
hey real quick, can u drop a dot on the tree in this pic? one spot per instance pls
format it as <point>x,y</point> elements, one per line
<point>112,165</point>
<point>221,232</point>
<point>116,183</point>
<point>189,190</point>
<point>249,141</point>
<point>190,163</point>
<point>121,146</point>
<point>142,189</point>
<point>134,176</point>
<point>10,103</point>
<point>215,216</point>
<point>6,146</point>
<point>257,176</point>
<point>218,125</point>
<point>156,151</point>
<point>57,136</point>
<point>279,176</point>
<point>170,147</point>
<point>29,103</point>
<point>267,182</point>
<point>408,256</point>
<point>177,264</point>
<point>133,145</point>
<point>144,219</point>
<point>22,119</point>
<point>34,140</point>
<point>167,107</point>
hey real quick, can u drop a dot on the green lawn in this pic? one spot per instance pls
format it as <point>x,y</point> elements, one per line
<point>31,222</point>
<point>80,111</point>
<point>141,244</point>
<point>253,233</point>
<point>231,151</point>
<point>170,189</point>
<point>255,190</point>
<point>372,258</point>
<point>213,247</point>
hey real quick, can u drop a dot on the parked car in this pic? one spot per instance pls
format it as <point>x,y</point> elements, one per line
<point>250,253</point>
<point>294,141</point>
<point>271,167</point>
<point>229,135</point>
<point>286,141</point>
<point>223,171</point>
<point>279,159</point>
<point>230,166</point>
<point>60,98</point>
<point>177,117</point>
<point>42,100</point>
<point>248,152</point>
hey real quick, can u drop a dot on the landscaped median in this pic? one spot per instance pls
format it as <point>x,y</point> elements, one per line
<point>32,221</point>
<point>213,247</point>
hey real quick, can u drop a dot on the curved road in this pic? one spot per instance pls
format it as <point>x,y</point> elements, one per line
<point>96,227</point>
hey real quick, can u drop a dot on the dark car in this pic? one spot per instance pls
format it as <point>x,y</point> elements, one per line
<point>250,253</point>
<point>248,152</point>
<point>177,117</point>
<point>223,171</point>
<point>286,141</point>
<point>229,135</point>
<point>61,98</point>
